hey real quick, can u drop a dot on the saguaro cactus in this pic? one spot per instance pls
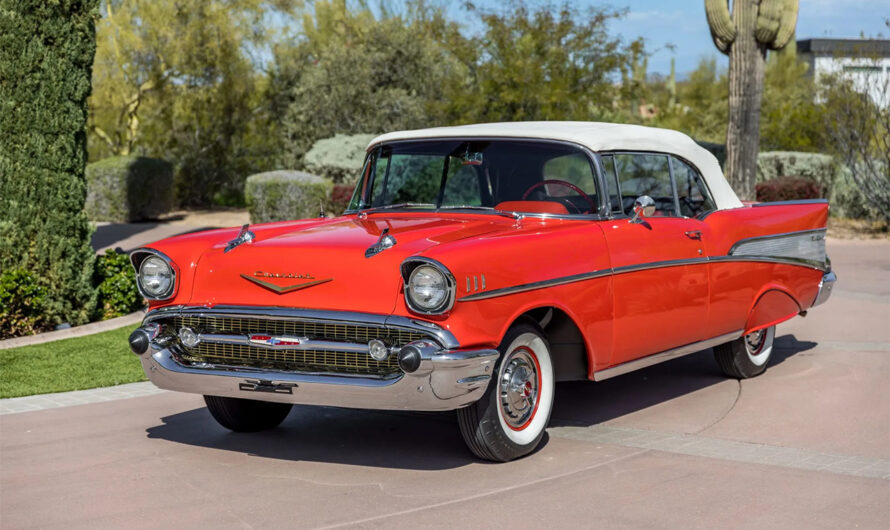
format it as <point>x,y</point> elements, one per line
<point>754,27</point>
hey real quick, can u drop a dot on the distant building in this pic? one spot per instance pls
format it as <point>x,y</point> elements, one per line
<point>866,62</point>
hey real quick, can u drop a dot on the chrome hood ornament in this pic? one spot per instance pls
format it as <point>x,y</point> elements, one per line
<point>244,236</point>
<point>384,242</point>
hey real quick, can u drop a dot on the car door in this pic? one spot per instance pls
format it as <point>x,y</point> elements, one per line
<point>660,272</point>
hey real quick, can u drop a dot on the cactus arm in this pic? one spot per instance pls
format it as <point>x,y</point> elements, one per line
<point>786,26</point>
<point>769,18</point>
<point>723,30</point>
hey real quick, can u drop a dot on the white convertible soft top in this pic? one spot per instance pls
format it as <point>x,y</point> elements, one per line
<point>597,137</point>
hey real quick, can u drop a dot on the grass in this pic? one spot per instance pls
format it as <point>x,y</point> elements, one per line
<point>103,359</point>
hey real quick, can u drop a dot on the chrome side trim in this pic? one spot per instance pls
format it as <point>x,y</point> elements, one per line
<point>443,336</point>
<point>658,265</point>
<point>740,242</point>
<point>805,247</point>
<point>790,203</point>
<point>656,358</point>
<point>536,285</point>
<point>139,255</point>
<point>769,259</point>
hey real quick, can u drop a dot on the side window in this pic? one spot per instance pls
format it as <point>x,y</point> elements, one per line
<point>645,174</point>
<point>691,190</point>
<point>611,179</point>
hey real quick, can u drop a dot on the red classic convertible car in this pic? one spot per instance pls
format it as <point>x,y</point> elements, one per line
<point>475,267</point>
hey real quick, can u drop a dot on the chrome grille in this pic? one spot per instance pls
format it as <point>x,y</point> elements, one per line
<point>312,361</point>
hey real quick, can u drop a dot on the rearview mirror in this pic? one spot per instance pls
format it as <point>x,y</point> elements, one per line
<point>644,206</point>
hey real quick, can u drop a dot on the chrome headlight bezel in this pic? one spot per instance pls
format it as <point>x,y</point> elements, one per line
<point>138,257</point>
<point>410,267</point>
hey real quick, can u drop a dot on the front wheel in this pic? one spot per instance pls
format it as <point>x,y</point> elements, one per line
<point>510,418</point>
<point>246,415</point>
<point>746,356</point>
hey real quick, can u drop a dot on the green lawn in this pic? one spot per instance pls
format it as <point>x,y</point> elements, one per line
<point>103,359</point>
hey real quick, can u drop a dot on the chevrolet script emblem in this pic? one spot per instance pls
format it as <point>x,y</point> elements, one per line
<point>282,289</point>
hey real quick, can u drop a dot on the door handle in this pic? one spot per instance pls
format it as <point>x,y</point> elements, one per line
<point>694,234</point>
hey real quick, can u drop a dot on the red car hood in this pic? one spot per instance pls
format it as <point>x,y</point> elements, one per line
<point>324,266</point>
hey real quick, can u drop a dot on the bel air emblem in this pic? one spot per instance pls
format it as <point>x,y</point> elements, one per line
<point>282,289</point>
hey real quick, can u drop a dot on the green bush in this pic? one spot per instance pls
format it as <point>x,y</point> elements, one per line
<point>847,199</point>
<point>822,169</point>
<point>46,59</point>
<point>339,158</point>
<point>22,304</point>
<point>116,291</point>
<point>128,188</point>
<point>284,195</point>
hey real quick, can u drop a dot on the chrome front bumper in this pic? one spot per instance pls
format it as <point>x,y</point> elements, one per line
<point>446,380</point>
<point>825,287</point>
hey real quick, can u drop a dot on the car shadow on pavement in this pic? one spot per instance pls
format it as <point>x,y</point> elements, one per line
<point>432,441</point>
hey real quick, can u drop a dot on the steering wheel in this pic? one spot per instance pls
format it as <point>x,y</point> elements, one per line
<point>569,185</point>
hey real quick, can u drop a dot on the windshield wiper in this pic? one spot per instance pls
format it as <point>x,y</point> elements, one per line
<point>512,215</point>
<point>399,205</point>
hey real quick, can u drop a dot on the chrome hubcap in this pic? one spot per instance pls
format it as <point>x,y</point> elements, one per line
<point>519,387</point>
<point>754,341</point>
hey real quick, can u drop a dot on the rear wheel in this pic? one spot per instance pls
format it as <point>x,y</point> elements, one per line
<point>246,415</point>
<point>746,356</point>
<point>510,418</point>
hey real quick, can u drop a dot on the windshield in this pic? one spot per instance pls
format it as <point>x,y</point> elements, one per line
<point>506,175</point>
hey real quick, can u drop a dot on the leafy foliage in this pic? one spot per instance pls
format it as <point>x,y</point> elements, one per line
<point>116,286</point>
<point>181,80</point>
<point>23,301</point>
<point>46,55</point>
<point>285,195</point>
<point>128,188</point>
<point>339,158</point>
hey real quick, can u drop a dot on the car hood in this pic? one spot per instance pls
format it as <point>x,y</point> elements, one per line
<point>323,266</point>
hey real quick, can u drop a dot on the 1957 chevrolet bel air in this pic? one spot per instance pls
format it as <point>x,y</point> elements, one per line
<point>475,267</point>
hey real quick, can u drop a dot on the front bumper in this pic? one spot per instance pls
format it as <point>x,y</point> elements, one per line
<point>825,287</point>
<point>446,380</point>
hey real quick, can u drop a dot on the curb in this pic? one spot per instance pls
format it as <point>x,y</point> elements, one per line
<point>77,331</point>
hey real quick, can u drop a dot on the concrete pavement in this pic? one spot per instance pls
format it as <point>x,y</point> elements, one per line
<point>805,445</point>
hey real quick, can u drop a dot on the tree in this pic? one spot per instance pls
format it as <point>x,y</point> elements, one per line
<point>543,63</point>
<point>182,80</point>
<point>754,27</point>
<point>857,123</point>
<point>790,117</point>
<point>356,73</point>
<point>46,54</point>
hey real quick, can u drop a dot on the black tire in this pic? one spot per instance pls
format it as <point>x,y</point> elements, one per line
<point>246,415</point>
<point>746,356</point>
<point>484,424</point>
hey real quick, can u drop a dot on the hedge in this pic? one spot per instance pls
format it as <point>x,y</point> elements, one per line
<point>46,59</point>
<point>285,195</point>
<point>128,188</point>
<point>339,158</point>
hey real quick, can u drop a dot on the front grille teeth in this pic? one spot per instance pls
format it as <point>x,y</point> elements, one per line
<point>301,361</point>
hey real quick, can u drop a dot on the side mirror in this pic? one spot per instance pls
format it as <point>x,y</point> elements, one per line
<point>644,206</point>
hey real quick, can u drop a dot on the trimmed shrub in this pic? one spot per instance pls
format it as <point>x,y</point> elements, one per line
<point>339,158</point>
<point>788,189</point>
<point>821,169</point>
<point>718,150</point>
<point>46,59</point>
<point>285,195</point>
<point>340,197</point>
<point>22,304</point>
<point>128,188</point>
<point>116,291</point>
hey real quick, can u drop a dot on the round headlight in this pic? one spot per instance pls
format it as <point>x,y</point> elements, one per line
<point>156,277</point>
<point>428,288</point>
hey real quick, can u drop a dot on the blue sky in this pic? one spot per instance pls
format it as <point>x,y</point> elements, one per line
<point>683,24</point>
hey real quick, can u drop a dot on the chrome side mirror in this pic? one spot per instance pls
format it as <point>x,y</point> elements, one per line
<point>644,206</point>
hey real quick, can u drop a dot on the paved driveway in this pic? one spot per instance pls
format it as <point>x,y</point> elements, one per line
<point>805,445</point>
